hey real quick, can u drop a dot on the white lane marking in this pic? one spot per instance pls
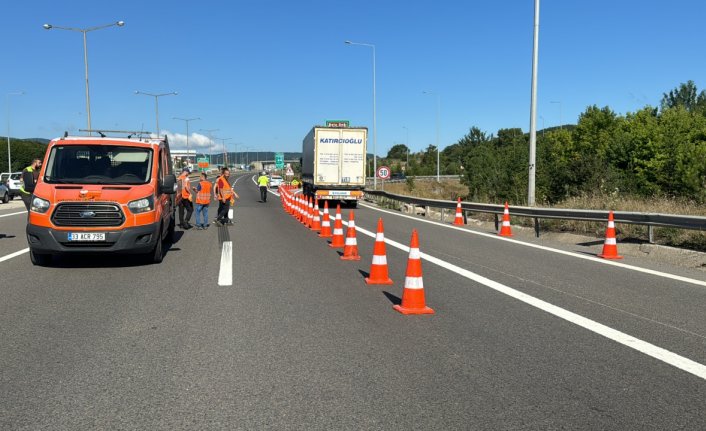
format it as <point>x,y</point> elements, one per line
<point>225,274</point>
<point>15,254</point>
<point>666,356</point>
<point>553,250</point>
<point>11,214</point>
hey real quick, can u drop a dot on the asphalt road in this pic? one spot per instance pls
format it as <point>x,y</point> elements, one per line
<point>298,341</point>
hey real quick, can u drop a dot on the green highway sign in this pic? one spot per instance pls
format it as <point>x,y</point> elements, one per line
<point>279,160</point>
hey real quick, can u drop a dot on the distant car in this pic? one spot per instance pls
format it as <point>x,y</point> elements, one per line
<point>4,194</point>
<point>275,181</point>
<point>398,176</point>
<point>13,182</point>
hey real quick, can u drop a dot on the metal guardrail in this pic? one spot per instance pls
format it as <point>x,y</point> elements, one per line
<point>415,177</point>
<point>647,219</point>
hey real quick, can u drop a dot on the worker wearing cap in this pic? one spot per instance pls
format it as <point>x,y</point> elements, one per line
<point>263,181</point>
<point>185,204</point>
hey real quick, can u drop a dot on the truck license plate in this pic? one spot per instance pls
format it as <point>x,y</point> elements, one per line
<point>87,236</point>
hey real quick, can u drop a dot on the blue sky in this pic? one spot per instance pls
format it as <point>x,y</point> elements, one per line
<point>264,72</point>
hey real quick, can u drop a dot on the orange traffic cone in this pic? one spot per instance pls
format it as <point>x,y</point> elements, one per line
<point>309,212</point>
<point>458,221</point>
<point>305,210</point>
<point>316,220</point>
<point>337,241</point>
<point>610,247</point>
<point>505,229</point>
<point>350,249</point>
<point>326,223</point>
<point>298,212</point>
<point>413,294</point>
<point>378,269</point>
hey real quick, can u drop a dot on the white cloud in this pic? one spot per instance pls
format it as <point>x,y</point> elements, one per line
<point>197,141</point>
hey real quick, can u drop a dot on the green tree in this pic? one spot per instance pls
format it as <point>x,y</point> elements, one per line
<point>686,96</point>
<point>398,151</point>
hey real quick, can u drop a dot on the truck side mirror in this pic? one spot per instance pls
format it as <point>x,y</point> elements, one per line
<point>168,185</point>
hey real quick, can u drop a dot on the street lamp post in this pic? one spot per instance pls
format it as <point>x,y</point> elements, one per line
<point>407,144</point>
<point>186,120</point>
<point>85,57</point>
<point>438,116</point>
<point>209,132</point>
<point>533,110</point>
<point>156,103</point>
<point>9,152</point>
<point>225,151</point>
<point>375,136</point>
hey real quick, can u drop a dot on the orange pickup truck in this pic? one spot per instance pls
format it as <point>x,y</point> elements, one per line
<point>103,195</point>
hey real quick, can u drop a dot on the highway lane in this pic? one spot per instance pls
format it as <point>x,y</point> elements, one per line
<point>666,312</point>
<point>299,342</point>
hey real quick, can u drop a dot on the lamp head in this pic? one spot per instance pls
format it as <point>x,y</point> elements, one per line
<point>47,26</point>
<point>348,42</point>
<point>120,23</point>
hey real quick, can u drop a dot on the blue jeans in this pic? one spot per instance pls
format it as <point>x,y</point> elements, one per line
<point>202,210</point>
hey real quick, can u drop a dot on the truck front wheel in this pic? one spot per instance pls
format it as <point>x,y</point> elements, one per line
<point>39,259</point>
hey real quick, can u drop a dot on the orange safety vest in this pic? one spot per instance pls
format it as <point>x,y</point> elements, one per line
<point>225,191</point>
<point>203,197</point>
<point>185,186</point>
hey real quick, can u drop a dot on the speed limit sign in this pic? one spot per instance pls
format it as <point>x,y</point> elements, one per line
<point>383,172</point>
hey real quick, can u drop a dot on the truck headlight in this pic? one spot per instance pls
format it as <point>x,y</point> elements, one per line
<point>39,205</point>
<point>141,205</point>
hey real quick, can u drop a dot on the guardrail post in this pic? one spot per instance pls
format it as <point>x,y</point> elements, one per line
<point>427,212</point>
<point>497,225</point>
<point>536,227</point>
<point>650,234</point>
<point>443,214</point>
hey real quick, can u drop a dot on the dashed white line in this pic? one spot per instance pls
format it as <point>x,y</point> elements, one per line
<point>225,274</point>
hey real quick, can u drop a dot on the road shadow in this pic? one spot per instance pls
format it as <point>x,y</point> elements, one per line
<point>590,243</point>
<point>396,300</point>
<point>178,235</point>
<point>365,274</point>
<point>3,236</point>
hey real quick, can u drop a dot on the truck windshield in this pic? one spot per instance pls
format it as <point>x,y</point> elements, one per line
<point>98,164</point>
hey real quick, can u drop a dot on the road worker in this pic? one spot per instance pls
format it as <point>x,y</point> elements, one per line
<point>30,175</point>
<point>225,196</point>
<point>203,200</point>
<point>263,181</point>
<point>185,204</point>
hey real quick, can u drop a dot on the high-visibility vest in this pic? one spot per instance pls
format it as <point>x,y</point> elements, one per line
<point>225,191</point>
<point>262,181</point>
<point>22,187</point>
<point>185,186</point>
<point>203,197</point>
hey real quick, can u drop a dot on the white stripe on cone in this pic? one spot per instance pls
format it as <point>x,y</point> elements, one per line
<point>413,283</point>
<point>414,253</point>
<point>506,223</point>
<point>351,241</point>
<point>338,231</point>
<point>611,224</point>
<point>380,237</point>
<point>326,223</point>
<point>610,241</point>
<point>379,260</point>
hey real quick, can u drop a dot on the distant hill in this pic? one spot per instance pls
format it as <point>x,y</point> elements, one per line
<point>40,140</point>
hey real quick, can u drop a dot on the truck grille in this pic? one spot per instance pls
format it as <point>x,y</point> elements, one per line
<point>90,214</point>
